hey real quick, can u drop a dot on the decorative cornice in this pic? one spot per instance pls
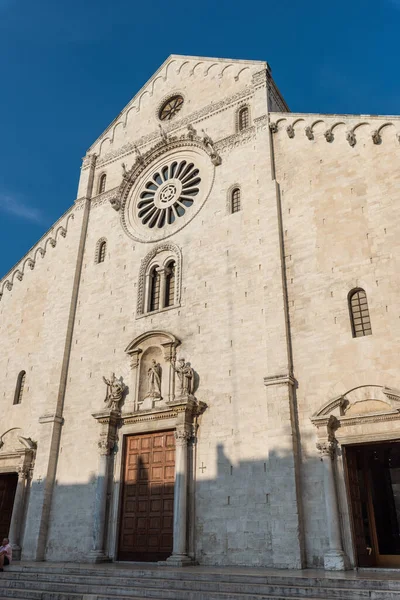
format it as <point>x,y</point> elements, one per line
<point>329,134</point>
<point>169,411</point>
<point>237,139</point>
<point>175,126</point>
<point>29,260</point>
<point>104,197</point>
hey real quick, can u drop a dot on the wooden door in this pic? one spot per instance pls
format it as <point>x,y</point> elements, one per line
<point>360,506</point>
<point>8,486</point>
<point>146,522</point>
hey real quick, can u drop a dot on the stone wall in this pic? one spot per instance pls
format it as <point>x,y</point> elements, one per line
<point>340,232</point>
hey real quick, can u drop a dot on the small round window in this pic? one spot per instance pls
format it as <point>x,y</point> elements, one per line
<point>170,108</point>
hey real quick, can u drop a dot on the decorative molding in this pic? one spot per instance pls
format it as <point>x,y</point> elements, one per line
<point>89,160</point>
<point>330,406</point>
<point>104,197</point>
<point>172,410</point>
<point>29,260</point>
<point>279,380</point>
<point>350,135</point>
<point>290,131</point>
<point>326,448</point>
<point>187,141</point>
<point>237,139</point>
<point>309,132</point>
<point>176,125</point>
<point>182,437</point>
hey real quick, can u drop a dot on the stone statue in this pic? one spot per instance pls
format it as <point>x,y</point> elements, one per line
<point>154,380</point>
<point>191,132</point>
<point>139,155</point>
<point>209,144</point>
<point>125,172</point>
<point>163,135</point>
<point>115,391</point>
<point>186,377</point>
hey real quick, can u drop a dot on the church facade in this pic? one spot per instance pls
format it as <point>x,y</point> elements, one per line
<point>199,359</point>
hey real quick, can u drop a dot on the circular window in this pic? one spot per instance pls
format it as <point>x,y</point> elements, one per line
<point>168,194</point>
<point>170,108</point>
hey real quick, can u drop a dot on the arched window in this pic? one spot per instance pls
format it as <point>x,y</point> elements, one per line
<point>154,297</point>
<point>101,252</point>
<point>243,118</point>
<point>160,279</point>
<point>170,284</point>
<point>19,388</point>
<point>235,200</point>
<point>359,313</point>
<point>102,183</point>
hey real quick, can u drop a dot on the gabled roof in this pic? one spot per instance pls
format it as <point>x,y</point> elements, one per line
<point>179,58</point>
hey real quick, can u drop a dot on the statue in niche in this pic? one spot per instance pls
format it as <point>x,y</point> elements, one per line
<point>115,392</point>
<point>154,380</point>
<point>186,377</point>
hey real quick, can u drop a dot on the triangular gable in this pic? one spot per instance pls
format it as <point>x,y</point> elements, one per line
<point>220,67</point>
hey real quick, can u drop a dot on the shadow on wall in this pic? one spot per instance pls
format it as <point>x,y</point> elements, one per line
<point>246,515</point>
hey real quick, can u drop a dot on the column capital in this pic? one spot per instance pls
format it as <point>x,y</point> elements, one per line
<point>182,436</point>
<point>326,448</point>
<point>23,473</point>
<point>105,447</point>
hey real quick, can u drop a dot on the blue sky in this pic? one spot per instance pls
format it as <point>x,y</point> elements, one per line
<point>67,68</point>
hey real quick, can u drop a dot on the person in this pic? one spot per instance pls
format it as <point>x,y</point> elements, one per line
<point>5,553</point>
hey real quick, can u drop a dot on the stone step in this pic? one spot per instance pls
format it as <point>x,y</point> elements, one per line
<point>64,582</point>
<point>57,590</point>
<point>120,587</point>
<point>216,580</point>
<point>123,576</point>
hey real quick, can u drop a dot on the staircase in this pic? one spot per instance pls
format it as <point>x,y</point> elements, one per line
<point>69,581</point>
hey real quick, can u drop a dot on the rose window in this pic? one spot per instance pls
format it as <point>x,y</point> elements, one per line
<point>168,194</point>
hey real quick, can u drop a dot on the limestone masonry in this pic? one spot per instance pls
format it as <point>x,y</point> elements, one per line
<point>189,352</point>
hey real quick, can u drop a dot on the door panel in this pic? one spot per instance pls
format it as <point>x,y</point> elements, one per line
<point>8,486</point>
<point>373,472</point>
<point>360,506</point>
<point>146,523</point>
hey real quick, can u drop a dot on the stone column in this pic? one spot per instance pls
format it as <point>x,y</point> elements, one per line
<point>97,553</point>
<point>179,555</point>
<point>18,512</point>
<point>335,559</point>
<point>109,421</point>
<point>161,272</point>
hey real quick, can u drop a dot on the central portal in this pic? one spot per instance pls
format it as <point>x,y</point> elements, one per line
<point>374,485</point>
<point>146,523</point>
